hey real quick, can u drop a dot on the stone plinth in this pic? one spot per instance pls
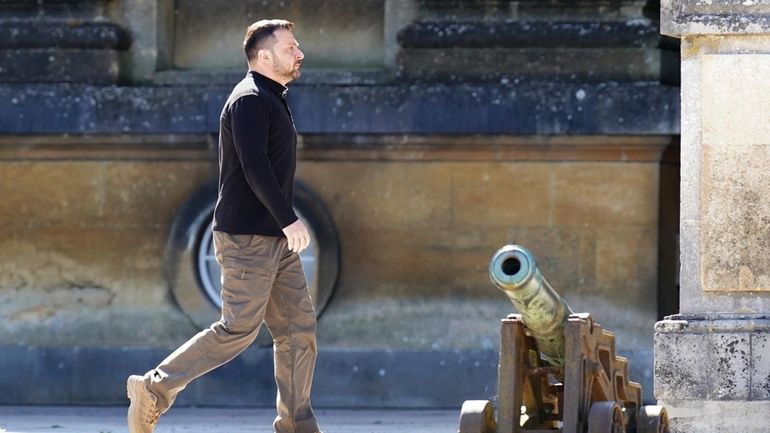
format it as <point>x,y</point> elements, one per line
<point>712,372</point>
<point>712,361</point>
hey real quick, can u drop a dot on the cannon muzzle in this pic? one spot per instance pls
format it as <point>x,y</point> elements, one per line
<point>513,270</point>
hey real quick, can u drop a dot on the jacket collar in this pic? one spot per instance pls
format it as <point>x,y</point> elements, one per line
<point>274,86</point>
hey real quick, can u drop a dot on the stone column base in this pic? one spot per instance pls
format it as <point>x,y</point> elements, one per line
<point>712,373</point>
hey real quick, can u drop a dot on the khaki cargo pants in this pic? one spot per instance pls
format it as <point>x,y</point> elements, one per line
<point>261,281</point>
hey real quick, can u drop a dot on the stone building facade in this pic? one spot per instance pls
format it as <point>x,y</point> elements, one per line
<point>432,133</point>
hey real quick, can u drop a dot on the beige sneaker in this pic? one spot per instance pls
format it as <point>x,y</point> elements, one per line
<point>142,414</point>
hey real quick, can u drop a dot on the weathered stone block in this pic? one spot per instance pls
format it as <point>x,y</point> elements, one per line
<point>711,373</point>
<point>621,262</point>
<point>500,195</point>
<point>736,99</point>
<point>712,358</point>
<point>760,374</point>
<point>735,192</point>
<point>703,17</point>
<point>132,191</point>
<point>127,261</point>
<point>95,193</point>
<point>606,196</point>
<point>704,416</point>
<point>64,194</point>
<point>385,195</point>
<point>701,366</point>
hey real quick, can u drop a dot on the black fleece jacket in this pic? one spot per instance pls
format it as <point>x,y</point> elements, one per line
<point>257,160</point>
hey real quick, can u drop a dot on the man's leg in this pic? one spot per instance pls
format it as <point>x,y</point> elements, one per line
<point>291,320</point>
<point>249,266</point>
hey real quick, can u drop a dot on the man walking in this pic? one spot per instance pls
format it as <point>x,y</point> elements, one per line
<point>257,238</point>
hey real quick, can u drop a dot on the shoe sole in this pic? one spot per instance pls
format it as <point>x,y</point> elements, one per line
<point>133,388</point>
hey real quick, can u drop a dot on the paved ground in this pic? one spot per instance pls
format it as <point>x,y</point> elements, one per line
<point>15,419</point>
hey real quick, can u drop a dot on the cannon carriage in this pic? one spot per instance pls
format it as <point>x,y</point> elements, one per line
<point>558,371</point>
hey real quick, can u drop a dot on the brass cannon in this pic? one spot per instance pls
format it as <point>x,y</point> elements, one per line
<point>558,371</point>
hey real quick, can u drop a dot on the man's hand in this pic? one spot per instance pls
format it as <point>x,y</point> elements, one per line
<point>297,236</point>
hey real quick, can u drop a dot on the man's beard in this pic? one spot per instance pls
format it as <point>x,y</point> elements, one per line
<point>285,70</point>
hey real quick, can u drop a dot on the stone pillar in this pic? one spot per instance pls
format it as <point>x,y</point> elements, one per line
<point>712,361</point>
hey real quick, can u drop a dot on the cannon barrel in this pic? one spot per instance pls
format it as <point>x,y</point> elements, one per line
<point>514,271</point>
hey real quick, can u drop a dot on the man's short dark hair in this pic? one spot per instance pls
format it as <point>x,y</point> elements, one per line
<point>259,36</point>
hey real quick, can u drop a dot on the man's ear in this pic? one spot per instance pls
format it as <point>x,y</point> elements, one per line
<point>264,56</point>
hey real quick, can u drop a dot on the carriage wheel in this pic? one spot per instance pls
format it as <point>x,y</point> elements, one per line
<point>477,416</point>
<point>606,417</point>
<point>652,419</point>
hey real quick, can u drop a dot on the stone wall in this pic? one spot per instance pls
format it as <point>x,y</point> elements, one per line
<point>83,263</point>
